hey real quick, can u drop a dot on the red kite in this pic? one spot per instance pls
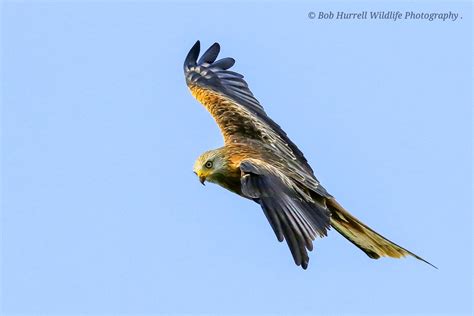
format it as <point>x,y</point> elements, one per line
<point>259,162</point>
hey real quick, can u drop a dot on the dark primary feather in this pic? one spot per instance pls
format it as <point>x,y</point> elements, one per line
<point>224,63</point>
<point>291,213</point>
<point>191,58</point>
<point>210,54</point>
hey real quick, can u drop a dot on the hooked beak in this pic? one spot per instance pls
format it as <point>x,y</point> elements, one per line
<point>202,179</point>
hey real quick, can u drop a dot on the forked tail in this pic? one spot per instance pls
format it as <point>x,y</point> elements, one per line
<point>370,242</point>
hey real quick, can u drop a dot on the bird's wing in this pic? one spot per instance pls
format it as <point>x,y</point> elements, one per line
<point>238,114</point>
<point>292,213</point>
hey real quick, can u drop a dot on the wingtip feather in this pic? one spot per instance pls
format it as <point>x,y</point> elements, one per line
<point>191,58</point>
<point>210,54</point>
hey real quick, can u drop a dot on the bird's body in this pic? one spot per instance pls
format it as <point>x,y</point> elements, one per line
<point>229,175</point>
<point>259,162</point>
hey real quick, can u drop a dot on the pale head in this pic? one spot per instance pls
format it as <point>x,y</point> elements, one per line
<point>209,164</point>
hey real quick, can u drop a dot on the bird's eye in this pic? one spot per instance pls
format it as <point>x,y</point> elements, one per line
<point>208,164</point>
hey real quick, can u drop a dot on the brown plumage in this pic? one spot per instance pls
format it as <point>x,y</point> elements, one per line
<point>259,162</point>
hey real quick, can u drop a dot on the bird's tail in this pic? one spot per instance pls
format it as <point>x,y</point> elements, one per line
<point>370,242</point>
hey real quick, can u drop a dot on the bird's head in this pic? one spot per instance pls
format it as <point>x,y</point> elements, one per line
<point>210,165</point>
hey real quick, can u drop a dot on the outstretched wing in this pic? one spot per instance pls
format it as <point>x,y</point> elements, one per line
<point>237,112</point>
<point>292,213</point>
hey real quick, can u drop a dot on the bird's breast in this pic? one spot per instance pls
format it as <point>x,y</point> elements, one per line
<point>229,177</point>
<point>229,180</point>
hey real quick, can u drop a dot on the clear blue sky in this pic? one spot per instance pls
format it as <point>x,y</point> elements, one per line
<point>101,213</point>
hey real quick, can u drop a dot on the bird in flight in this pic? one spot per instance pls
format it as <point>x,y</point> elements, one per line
<point>259,162</point>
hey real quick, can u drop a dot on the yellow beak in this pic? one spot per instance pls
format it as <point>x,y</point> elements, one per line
<point>202,179</point>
